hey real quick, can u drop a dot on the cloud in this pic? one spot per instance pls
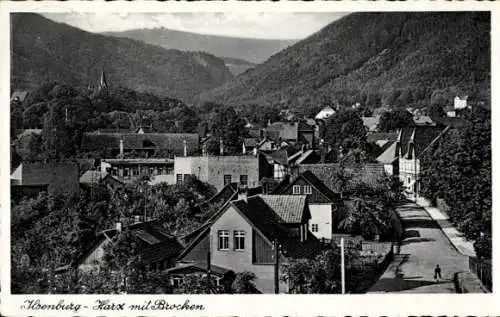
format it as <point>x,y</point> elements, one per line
<point>281,25</point>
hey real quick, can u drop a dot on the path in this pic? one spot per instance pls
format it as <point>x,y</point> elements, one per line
<point>424,245</point>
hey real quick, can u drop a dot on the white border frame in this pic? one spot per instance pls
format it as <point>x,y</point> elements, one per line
<point>251,305</point>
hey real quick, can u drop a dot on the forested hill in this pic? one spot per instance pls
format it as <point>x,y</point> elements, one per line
<point>373,58</point>
<point>249,49</point>
<point>43,50</point>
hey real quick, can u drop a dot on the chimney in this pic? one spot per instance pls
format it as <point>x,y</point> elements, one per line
<point>204,149</point>
<point>221,147</point>
<point>244,151</point>
<point>255,151</point>
<point>243,194</point>
<point>185,148</point>
<point>121,148</point>
<point>119,226</point>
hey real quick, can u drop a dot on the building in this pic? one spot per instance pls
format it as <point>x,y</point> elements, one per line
<point>246,170</point>
<point>19,96</point>
<point>325,113</point>
<point>158,249</point>
<point>254,234</point>
<point>459,104</point>
<point>412,142</point>
<point>323,203</point>
<point>293,132</point>
<point>129,170</point>
<point>329,173</point>
<point>165,145</point>
<point>371,123</point>
<point>58,178</point>
<point>92,178</point>
<point>389,159</point>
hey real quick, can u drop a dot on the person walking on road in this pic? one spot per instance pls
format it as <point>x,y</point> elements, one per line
<point>437,273</point>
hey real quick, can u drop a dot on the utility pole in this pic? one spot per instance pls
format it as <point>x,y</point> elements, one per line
<point>342,265</point>
<point>209,267</point>
<point>276,267</point>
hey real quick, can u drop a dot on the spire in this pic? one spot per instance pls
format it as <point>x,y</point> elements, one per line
<point>103,82</point>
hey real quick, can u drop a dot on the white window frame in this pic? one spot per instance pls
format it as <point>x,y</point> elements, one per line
<point>307,189</point>
<point>238,237</point>
<point>314,226</point>
<point>223,240</point>
<point>296,189</point>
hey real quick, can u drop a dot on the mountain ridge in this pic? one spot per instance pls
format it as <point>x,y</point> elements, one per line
<point>250,49</point>
<point>44,50</point>
<point>403,57</point>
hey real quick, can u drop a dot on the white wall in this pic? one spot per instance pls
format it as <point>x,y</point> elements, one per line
<point>322,216</point>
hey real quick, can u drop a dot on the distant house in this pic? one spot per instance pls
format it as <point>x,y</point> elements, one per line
<point>158,249</point>
<point>371,123</point>
<point>92,178</point>
<point>129,170</point>
<point>142,144</point>
<point>368,173</point>
<point>382,138</point>
<point>246,170</point>
<point>19,96</point>
<point>325,113</point>
<point>294,132</point>
<point>412,142</point>
<point>459,104</point>
<point>58,178</point>
<point>244,235</point>
<point>423,120</point>
<point>322,202</point>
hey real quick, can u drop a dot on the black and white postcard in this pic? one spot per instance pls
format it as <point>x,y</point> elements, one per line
<point>200,160</point>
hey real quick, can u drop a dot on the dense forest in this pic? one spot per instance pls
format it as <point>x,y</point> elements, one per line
<point>404,59</point>
<point>43,50</point>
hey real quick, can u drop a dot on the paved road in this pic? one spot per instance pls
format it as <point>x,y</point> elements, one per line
<point>424,245</point>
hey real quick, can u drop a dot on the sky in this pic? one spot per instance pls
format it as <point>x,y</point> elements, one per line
<point>266,25</point>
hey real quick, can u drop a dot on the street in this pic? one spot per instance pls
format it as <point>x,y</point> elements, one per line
<point>423,246</point>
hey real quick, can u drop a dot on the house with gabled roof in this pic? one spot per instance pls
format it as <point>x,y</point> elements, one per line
<point>411,144</point>
<point>322,201</point>
<point>158,249</point>
<point>244,233</point>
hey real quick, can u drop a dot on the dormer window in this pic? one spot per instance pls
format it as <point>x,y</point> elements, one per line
<point>296,189</point>
<point>307,190</point>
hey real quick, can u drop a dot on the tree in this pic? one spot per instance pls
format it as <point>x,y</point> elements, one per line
<point>345,130</point>
<point>243,283</point>
<point>228,126</point>
<point>394,120</point>
<point>458,170</point>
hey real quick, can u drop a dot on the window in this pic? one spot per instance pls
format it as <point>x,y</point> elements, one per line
<point>409,180</point>
<point>223,239</point>
<point>307,190</point>
<point>178,179</point>
<point>314,227</point>
<point>187,177</point>
<point>151,171</point>
<point>177,281</point>
<point>227,179</point>
<point>296,189</point>
<point>135,172</point>
<point>126,172</point>
<point>244,180</point>
<point>239,240</point>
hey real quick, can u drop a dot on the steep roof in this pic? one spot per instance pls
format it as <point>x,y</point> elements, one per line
<point>325,113</point>
<point>19,95</point>
<point>389,155</point>
<point>357,173</point>
<point>262,217</point>
<point>132,141</point>
<point>92,177</point>
<point>290,208</point>
<point>371,123</point>
<point>312,179</point>
<point>381,136</point>
<point>420,136</point>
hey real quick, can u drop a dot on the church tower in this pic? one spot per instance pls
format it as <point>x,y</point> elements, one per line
<point>103,84</point>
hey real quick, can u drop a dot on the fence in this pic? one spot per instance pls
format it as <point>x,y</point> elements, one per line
<point>483,271</point>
